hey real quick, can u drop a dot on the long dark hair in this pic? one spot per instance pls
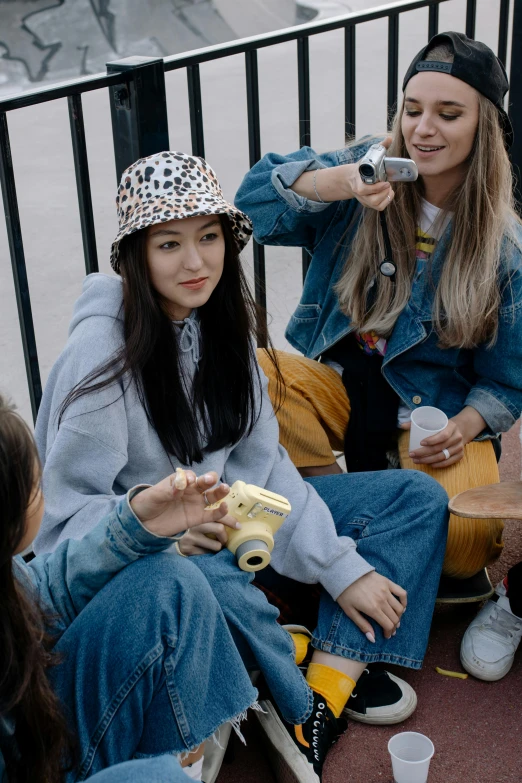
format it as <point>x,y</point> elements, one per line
<point>40,746</point>
<point>223,406</point>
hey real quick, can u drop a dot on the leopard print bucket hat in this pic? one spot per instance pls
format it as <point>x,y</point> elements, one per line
<point>172,186</point>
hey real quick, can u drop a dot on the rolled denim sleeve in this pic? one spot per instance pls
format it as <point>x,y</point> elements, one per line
<point>280,216</point>
<point>68,578</point>
<point>497,414</point>
<point>284,176</point>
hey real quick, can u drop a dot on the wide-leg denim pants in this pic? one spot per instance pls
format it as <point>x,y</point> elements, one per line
<point>149,667</point>
<point>399,520</point>
<point>263,644</point>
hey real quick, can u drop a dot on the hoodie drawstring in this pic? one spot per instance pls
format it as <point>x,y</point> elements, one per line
<point>190,337</point>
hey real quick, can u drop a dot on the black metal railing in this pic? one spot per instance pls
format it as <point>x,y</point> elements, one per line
<point>139,121</point>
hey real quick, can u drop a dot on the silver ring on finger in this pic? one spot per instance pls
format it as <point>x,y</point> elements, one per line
<point>446,453</point>
<point>207,501</point>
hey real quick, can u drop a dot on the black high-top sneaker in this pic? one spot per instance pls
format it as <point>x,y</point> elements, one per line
<point>297,753</point>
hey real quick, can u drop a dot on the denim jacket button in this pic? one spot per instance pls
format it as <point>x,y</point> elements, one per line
<point>417,400</point>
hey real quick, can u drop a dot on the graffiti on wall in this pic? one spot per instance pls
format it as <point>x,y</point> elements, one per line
<point>43,40</point>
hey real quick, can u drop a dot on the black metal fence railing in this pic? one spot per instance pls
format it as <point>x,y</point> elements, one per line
<point>139,121</point>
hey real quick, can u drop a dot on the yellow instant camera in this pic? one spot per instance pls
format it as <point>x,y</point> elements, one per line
<point>261,514</point>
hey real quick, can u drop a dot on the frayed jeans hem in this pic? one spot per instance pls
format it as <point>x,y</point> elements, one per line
<point>364,657</point>
<point>235,721</point>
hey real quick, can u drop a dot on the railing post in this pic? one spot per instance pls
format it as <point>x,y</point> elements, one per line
<point>138,110</point>
<point>254,147</point>
<point>21,283</point>
<point>471,18</point>
<point>349,81</point>
<point>303,86</point>
<point>393,65</point>
<point>515,99</point>
<point>503,26</point>
<point>196,111</point>
<point>83,184</point>
<point>433,21</point>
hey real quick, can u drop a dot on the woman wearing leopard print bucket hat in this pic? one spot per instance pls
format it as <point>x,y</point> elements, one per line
<point>159,371</point>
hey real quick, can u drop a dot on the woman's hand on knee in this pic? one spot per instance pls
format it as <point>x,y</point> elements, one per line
<point>377,597</point>
<point>181,501</point>
<point>443,449</point>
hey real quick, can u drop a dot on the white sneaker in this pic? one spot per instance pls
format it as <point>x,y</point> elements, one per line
<point>215,749</point>
<point>489,645</point>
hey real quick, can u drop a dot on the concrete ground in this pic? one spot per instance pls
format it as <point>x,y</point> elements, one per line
<point>475,726</point>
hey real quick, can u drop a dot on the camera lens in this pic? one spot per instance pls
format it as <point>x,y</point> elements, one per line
<point>366,170</point>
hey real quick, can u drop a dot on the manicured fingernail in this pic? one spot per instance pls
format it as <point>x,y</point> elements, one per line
<point>370,637</point>
<point>394,633</point>
<point>225,486</point>
<point>209,478</point>
<point>238,526</point>
<point>412,453</point>
<point>398,625</point>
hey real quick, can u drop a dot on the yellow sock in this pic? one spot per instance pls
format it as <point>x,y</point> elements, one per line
<point>332,684</point>
<point>301,642</point>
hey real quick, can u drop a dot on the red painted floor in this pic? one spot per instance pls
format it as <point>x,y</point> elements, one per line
<point>476,727</point>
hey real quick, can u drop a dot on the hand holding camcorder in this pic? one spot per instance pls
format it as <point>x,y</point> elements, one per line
<point>261,514</point>
<point>376,167</point>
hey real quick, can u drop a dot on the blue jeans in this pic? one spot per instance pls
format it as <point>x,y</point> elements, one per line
<point>148,667</point>
<point>161,769</point>
<point>399,519</point>
<point>261,641</point>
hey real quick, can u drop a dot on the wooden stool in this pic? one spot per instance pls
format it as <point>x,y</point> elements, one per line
<point>493,501</point>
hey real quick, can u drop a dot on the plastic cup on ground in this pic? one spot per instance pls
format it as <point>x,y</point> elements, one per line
<point>425,422</point>
<point>411,754</point>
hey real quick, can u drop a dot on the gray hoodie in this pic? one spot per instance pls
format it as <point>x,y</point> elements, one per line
<point>105,445</point>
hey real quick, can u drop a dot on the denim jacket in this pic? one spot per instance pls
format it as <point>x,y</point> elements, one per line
<point>64,581</point>
<point>487,378</point>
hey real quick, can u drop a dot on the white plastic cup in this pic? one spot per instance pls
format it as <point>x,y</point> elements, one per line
<point>411,754</point>
<point>425,422</point>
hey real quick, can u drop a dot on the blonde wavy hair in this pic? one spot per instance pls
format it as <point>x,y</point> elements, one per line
<point>468,295</point>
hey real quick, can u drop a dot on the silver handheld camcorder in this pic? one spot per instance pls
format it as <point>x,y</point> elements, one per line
<point>376,167</point>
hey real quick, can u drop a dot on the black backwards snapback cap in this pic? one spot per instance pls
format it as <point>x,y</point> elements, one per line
<point>473,63</point>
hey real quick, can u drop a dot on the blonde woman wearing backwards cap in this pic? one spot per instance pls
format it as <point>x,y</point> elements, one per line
<point>447,332</point>
<point>160,371</point>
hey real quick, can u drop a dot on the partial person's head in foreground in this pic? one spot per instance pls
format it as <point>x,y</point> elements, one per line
<point>25,693</point>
